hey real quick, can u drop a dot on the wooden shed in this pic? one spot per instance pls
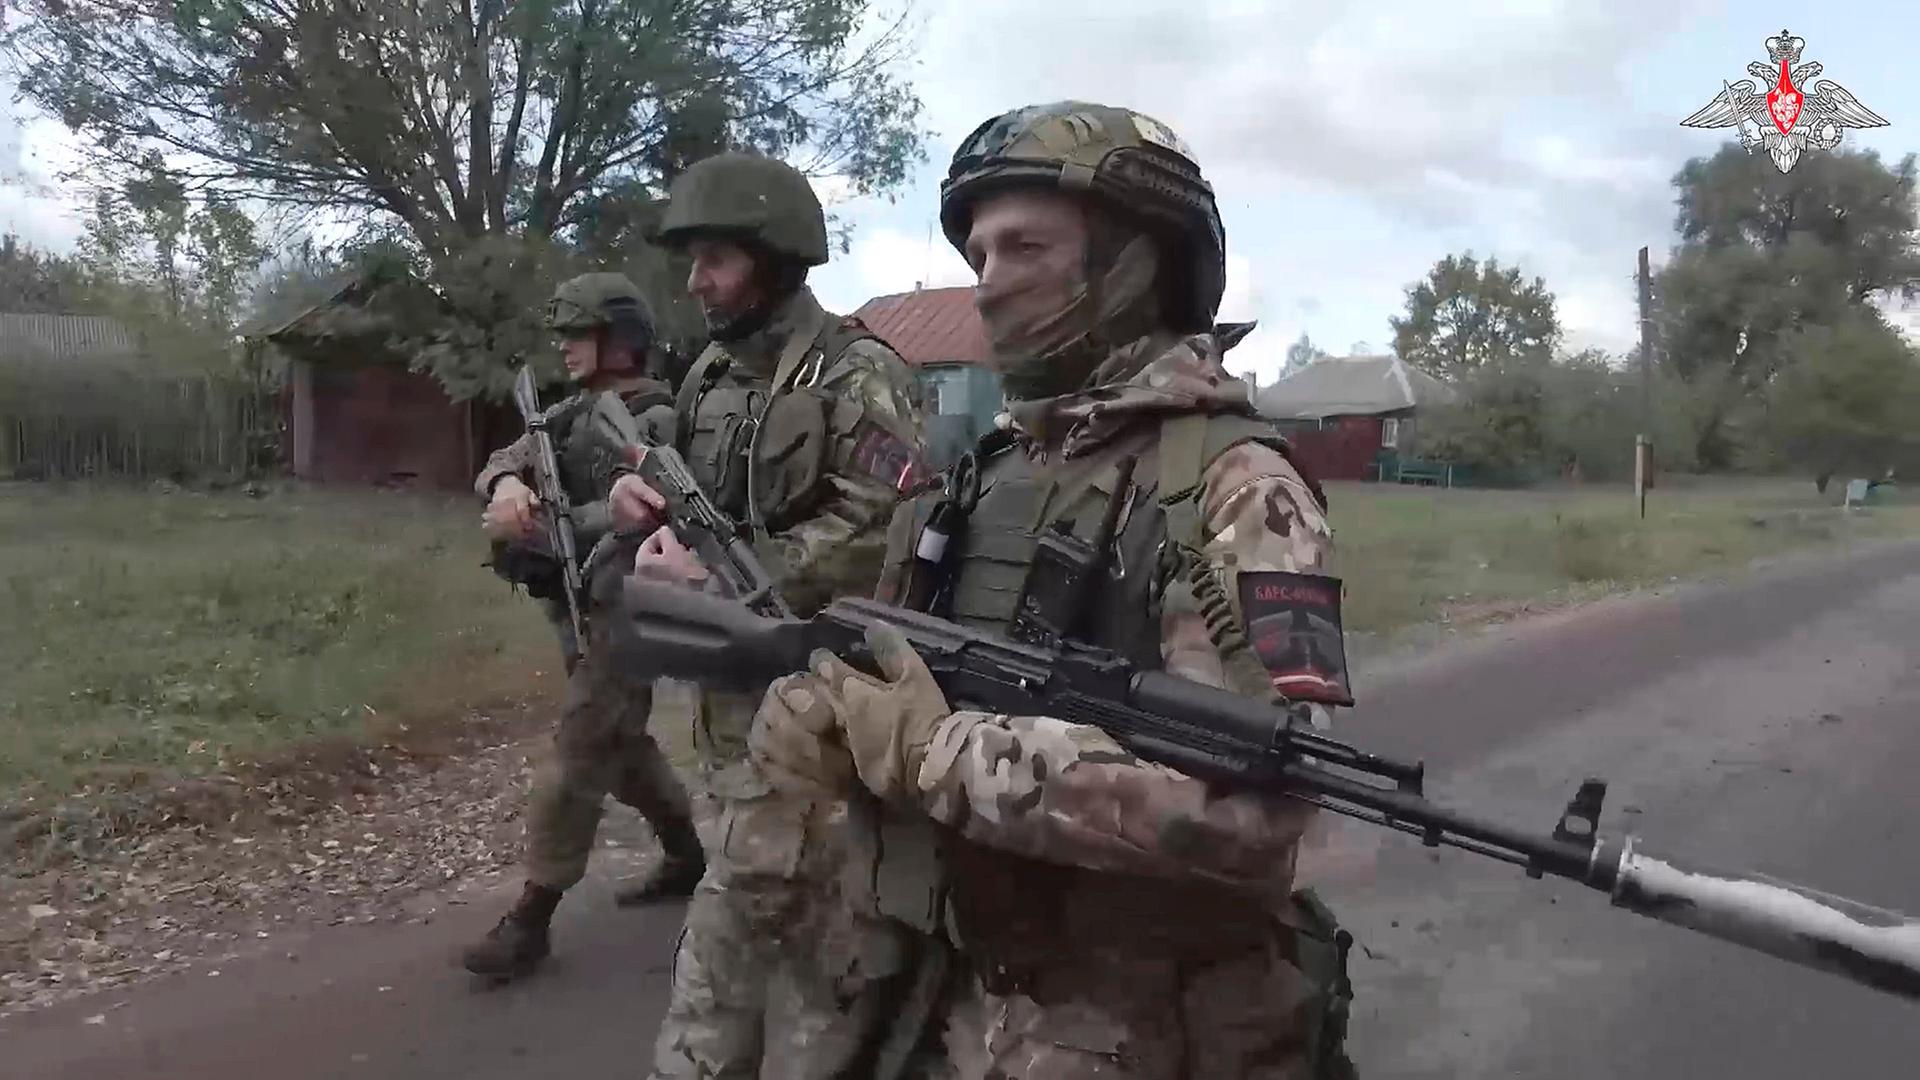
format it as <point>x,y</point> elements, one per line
<point>355,413</point>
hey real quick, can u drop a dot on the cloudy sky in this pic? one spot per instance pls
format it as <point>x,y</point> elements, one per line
<point>1351,145</point>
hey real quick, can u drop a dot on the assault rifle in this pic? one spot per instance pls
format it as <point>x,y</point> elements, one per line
<point>695,520</point>
<point>553,495</point>
<point>1239,743</point>
<point>709,532</point>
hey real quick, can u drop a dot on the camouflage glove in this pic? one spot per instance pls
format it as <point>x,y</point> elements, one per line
<point>795,741</point>
<point>887,724</point>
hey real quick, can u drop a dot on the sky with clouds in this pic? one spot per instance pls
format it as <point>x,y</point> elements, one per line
<point>1350,145</point>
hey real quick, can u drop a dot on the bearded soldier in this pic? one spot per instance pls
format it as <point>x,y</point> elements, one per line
<point>1113,917</point>
<point>805,428</point>
<point>602,744</point>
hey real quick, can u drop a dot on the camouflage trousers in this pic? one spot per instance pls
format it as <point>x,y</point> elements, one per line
<point>601,747</point>
<point>1121,1013</point>
<point>783,970</point>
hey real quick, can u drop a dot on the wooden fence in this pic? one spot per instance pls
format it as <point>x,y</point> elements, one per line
<point>65,420</point>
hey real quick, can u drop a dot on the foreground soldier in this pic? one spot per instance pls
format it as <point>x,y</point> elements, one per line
<point>601,744</point>
<point>1118,919</point>
<point>805,427</point>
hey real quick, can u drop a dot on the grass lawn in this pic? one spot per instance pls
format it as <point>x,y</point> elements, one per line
<point>151,636</point>
<point>183,634</point>
<point>1412,554</point>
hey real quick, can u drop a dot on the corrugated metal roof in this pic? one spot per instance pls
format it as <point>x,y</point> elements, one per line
<point>64,337</point>
<point>1351,386</point>
<point>928,326</point>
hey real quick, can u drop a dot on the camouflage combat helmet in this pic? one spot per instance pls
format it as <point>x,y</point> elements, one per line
<point>751,197</point>
<point>602,301</point>
<point>1130,162</point>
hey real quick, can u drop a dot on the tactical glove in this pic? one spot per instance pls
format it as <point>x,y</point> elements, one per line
<point>887,723</point>
<point>795,742</point>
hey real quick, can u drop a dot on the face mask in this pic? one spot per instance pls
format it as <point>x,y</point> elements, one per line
<point>1057,352</point>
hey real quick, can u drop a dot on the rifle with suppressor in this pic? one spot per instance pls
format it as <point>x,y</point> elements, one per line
<point>553,495</point>
<point>1240,743</point>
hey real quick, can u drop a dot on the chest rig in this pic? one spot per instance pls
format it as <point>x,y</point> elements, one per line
<point>722,416</point>
<point>1013,547</point>
<point>586,462</point>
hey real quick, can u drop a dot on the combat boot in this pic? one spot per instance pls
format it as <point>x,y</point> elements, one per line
<point>518,942</point>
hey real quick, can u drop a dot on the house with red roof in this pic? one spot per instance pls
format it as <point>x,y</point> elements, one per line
<point>939,333</point>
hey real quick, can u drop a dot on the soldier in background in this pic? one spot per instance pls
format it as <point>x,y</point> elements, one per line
<point>601,744</point>
<point>1114,917</point>
<point>804,427</point>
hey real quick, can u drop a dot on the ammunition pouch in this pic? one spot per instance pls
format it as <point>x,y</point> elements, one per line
<point>718,438</point>
<point>790,457</point>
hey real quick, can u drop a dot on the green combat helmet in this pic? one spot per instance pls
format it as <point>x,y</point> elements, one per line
<point>603,301</point>
<point>1130,162</point>
<point>747,197</point>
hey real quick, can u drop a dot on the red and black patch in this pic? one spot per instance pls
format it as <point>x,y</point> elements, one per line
<point>887,457</point>
<point>1293,623</point>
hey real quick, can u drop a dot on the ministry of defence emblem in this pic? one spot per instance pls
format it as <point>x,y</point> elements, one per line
<point>1786,120</point>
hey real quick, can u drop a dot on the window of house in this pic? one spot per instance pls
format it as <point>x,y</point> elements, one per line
<point>952,390</point>
<point>1390,432</point>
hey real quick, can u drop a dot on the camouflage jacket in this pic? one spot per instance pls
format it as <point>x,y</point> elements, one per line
<point>1072,795</point>
<point>1117,917</point>
<point>875,441</point>
<point>830,528</point>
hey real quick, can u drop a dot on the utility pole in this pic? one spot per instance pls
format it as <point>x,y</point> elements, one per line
<point>1643,445</point>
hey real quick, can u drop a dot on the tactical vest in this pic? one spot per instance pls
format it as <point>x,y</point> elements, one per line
<point>586,463</point>
<point>1015,918</point>
<point>736,433</point>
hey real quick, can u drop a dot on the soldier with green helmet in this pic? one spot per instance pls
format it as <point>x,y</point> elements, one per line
<point>805,427</point>
<point>601,745</point>
<point>1111,917</point>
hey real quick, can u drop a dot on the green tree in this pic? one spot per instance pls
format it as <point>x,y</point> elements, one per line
<point>1500,423</point>
<point>478,125</point>
<point>173,273</point>
<point>39,282</point>
<point>158,200</point>
<point>1846,399</point>
<point>1763,255</point>
<point>1575,417</point>
<point>225,254</point>
<point>1467,315</point>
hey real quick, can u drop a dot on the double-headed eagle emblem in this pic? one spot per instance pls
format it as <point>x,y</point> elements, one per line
<point>1797,119</point>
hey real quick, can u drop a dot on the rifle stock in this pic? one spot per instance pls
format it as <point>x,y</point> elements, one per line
<point>668,630</point>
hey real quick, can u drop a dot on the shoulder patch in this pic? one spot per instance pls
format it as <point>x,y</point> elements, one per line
<point>887,457</point>
<point>1293,624</point>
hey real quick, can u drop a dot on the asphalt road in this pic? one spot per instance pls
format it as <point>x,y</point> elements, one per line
<point>1772,725</point>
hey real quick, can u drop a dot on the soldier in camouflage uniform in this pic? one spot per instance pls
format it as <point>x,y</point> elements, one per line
<point>1114,917</point>
<point>601,744</point>
<point>806,428</point>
